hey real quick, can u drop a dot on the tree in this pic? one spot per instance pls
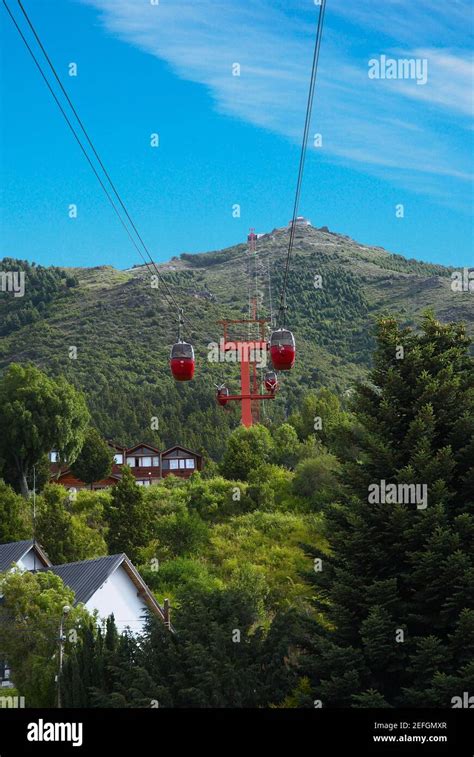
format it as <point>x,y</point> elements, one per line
<point>15,518</point>
<point>128,517</point>
<point>94,461</point>
<point>90,671</point>
<point>317,478</point>
<point>30,616</point>
<point>172,670</point>
<point>54,527</point>
<point>320,413</point>
<point>287,445</point>
<point>38,414</point>
<point>180,534</point>
<point>66,536</point>
<point>397,588</point>
<point>248,448</point>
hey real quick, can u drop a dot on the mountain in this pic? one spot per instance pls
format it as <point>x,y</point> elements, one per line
<point>122,327</point>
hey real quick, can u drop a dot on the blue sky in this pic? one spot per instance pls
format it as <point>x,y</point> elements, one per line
<point>227,139</point>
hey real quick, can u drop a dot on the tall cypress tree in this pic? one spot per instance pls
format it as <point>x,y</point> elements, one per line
<point>127,517</point>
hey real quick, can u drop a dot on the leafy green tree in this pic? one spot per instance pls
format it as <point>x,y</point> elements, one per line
<point>270,488</point>
<point>54,527</point>
<point>319,413</point>
<point>248,448</point>
<point>216,498</point>
<point>317,479</point>
<point>66,536</point>
<point>30,616</point>
<point>180,534</point>
<point>38,414</point>
<point>15,516</point>
<point>128,517</point>
<point>94,461</point>
<point>287,445</point>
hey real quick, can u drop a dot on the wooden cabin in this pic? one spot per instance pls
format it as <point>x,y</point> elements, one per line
<point>180,461</point>
<point>146,462</point>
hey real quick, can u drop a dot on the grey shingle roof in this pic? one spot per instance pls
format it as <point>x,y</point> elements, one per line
<point>84,578</point>
<point>12,552</point>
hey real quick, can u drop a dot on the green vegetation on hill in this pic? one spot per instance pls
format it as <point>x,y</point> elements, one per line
<point>122,329</point>
<point>291,584</point>
<point>43,286</point>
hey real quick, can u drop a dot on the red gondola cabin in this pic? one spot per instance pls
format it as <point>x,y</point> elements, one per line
<point>182,361</point>
<point>222,394</point>
<point>270,381</point>
<point>282,350</point>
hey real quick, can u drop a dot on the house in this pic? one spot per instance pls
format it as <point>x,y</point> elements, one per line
<point>146,462</point>
<point>108,585</point>
<point>180,461</point>
<point>27,555</point>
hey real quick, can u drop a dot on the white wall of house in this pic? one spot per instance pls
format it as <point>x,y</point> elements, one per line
<point>28,562</point>
<point>118,595</point>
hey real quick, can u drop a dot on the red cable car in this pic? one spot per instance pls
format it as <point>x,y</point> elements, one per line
<point>182,361</point>
<point>282,349</point>
<point>222,394</point>
<point>270,381</point>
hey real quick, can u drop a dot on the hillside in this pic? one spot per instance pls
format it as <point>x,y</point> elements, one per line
<point>122,327</point>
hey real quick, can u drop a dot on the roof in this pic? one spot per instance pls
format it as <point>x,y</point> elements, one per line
<point>180,446</point>
<point>143,444</point>
<point>14,551</point>
<point>67,471</point>
<point>116,446</point>
<point>86,577</point>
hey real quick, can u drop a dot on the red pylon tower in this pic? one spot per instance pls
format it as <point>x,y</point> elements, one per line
<point>247,350</point>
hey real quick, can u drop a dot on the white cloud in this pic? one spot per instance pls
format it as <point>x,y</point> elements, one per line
<point>394,129</point>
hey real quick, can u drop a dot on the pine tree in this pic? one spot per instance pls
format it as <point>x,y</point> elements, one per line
<point>397,589</point>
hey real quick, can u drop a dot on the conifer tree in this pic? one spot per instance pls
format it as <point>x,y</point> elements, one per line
<point>398,586</point>
<point>127,516</point>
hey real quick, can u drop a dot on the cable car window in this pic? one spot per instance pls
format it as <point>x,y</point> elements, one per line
<point>182,350</point>
<point>282,337</point>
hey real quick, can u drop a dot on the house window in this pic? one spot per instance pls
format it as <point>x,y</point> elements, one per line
<point>174,464</point>
<point>156,462</point>
<point>145,462</point>
<point>131,462</point>
<point>145,482</point>
<point>4,671</point>
<point>190,463</point>
<point>54,457</point>
<point>118,459</point>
